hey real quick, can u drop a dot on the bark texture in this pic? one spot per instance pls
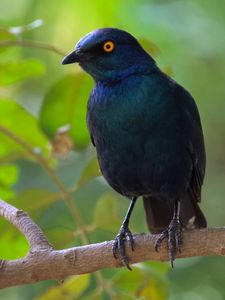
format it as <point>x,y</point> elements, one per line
<point>43,262</point>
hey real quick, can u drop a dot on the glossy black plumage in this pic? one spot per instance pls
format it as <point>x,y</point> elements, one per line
<point>146,130</point>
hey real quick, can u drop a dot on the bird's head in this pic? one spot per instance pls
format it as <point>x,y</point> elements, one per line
<point>110,54</point>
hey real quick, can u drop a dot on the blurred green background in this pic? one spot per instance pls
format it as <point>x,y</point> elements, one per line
<point>38,95</point>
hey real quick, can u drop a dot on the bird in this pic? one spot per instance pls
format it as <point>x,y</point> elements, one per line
<point>148,136</point>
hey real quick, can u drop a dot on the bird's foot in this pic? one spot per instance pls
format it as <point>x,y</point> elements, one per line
<point>174,236</point>
<point>118,247</point>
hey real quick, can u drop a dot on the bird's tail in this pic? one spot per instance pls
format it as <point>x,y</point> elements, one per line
<point>159,213</point>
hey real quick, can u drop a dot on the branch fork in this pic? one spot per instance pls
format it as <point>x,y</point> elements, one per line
<point>43,262</point>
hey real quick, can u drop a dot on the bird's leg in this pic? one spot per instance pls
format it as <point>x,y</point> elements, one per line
<point>123,235</point>
<point>173,233</point>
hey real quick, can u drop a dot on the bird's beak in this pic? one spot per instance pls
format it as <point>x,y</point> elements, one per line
<point>73,57</point>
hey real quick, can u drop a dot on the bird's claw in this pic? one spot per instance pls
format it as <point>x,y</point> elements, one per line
<point>174,236</point>
<point>118,247</point>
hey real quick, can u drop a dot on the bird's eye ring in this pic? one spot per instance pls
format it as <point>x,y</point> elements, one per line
<point>108,46</point>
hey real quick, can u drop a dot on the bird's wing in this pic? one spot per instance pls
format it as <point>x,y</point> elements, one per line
<point>196,180</point>
<point>92,140</point>
<point>195,142</point>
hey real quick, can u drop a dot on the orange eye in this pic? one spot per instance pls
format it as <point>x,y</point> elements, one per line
<point>108,46</point>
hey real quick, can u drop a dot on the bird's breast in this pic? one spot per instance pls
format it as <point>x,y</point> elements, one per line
<point>137,153</point>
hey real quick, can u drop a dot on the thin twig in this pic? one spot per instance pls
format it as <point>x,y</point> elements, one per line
<point>55,178</point>
<point>31,44</point>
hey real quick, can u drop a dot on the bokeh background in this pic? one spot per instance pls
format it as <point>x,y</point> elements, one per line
<point>38,96</point>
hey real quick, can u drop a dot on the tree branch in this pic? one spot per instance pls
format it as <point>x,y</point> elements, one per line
<point>20,219</point>
<point>43,263</point>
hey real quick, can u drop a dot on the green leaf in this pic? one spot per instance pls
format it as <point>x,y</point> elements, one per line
<point>13,244</point>
<point>122,280</point>
<point>150,47</point>
<point>72,288</point>
<point>60,237</point>
<point>156,267</point>
<point>8,177</point>
<point>35,201</point>
<point>90,171</point>
<point>5,35</point>
<point>66,104</point>
<point>153,290</point>
<point>145,284</point>
<point>124,296</point>
<point>8,174</point>
<point>93,295</point>
<point>105,214</point>
<point>19,123</point>
<point>12,72</point>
